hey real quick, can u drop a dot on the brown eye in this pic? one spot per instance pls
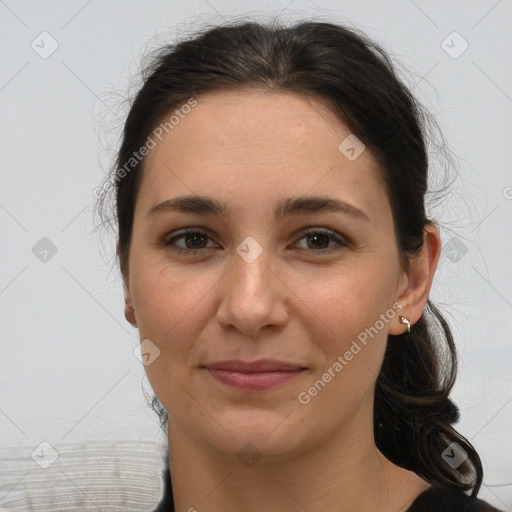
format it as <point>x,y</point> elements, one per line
<point>319,237</point>
<point>318,240</point>
<point>194,240</point>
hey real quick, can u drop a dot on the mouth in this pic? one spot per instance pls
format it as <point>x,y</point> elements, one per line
<point>263,375</point>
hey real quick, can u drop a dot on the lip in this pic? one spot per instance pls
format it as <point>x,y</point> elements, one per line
<point>262,365</point>
<point>262,375</point>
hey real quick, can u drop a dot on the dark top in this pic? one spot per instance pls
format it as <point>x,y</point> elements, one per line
<point>437,498</point>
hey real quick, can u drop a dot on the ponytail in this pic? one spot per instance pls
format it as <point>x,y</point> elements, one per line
<point>413,412</point>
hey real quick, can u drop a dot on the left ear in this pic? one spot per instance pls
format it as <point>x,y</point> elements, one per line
<point>418,280</point>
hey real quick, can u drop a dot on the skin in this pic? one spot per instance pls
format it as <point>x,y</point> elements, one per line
<point>251,149</point>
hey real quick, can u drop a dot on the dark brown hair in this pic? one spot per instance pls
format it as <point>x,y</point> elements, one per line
<point>413,414</point>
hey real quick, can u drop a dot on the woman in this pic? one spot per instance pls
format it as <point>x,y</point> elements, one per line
<point>277,261</point>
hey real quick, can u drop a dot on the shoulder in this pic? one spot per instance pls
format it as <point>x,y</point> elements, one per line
<point>166,504</point>
<point>439,498</point>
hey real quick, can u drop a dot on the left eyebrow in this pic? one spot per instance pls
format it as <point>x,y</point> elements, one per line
<point>291,206</point>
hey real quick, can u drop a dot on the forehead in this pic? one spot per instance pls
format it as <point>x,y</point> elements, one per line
<point>247,123</point>
<point>260,143</point>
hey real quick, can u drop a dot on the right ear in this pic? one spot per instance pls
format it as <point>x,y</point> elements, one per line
<point>129,310</point>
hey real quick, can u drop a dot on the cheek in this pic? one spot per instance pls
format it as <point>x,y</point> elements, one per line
<point>348,300</point>
<point>348,305</point>
<point>351,336</point>
<point>167,314</point>
<point>167,303</point>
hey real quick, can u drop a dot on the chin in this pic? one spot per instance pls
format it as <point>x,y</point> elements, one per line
<point>267,432</point>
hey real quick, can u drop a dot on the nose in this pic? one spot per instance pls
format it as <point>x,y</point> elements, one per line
<point>253,296</point>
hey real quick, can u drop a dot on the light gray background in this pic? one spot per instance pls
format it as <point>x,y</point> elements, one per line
<point>67,371</point>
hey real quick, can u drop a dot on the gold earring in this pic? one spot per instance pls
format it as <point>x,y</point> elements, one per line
<point>406,322</point>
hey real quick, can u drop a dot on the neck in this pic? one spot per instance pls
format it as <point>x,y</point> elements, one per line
<point>346,473</point>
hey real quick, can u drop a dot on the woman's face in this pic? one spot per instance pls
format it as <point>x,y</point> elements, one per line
<point>254,286</point>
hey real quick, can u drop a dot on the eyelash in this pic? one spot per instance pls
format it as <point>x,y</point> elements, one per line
<point>312,231</point>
